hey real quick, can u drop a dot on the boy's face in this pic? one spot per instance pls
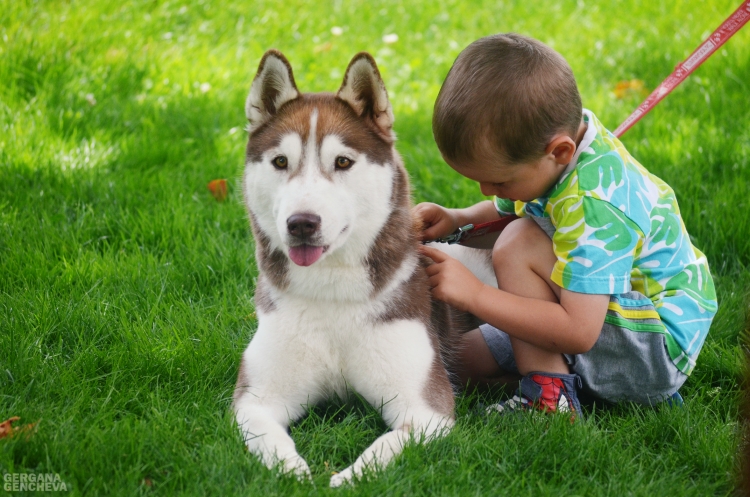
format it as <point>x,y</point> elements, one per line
<point>526,181</point>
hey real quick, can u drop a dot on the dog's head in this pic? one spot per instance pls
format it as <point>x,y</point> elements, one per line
<point>321,174</point>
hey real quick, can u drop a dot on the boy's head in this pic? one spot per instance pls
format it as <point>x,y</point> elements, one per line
<point>504,100</point>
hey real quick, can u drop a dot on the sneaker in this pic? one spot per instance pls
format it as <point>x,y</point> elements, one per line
<point>675,400</point>
<point>546,392</point>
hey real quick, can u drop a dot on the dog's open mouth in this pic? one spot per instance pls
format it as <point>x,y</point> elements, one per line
<point>305,255</point>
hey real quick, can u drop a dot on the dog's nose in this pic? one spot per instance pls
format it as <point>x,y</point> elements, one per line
<point>303,225</point>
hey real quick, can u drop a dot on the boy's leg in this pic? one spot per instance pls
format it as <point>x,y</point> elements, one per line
<point>478,367</point>
<point>523,260</point>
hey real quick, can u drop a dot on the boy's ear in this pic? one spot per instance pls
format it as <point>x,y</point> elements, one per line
<point>563,148</point>
<point>272,87</point>
<point>363,89</point>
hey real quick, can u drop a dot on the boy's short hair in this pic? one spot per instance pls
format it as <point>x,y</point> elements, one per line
<point>506,94</point>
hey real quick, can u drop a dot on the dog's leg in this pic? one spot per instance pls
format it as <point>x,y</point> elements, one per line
<point>380,452</point>
<point>390,444</point>
<point>266,436</point>
<point>276,383</point>
<point>400,374</point>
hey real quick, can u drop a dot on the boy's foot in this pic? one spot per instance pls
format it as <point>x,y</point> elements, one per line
<point>546,392</point>
<point>675,400</point>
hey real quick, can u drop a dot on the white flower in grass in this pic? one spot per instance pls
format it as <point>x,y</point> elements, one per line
<point>91,99</point>
<point>390,38</point>
<point>205,87</point>
<point>337,31</point>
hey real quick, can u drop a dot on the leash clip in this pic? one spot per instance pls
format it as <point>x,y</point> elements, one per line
<point>457,235</point>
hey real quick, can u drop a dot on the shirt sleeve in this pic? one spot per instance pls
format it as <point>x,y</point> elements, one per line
<point>595,244</point>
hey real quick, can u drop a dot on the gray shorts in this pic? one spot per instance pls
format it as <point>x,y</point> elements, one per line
<point>626,363</point>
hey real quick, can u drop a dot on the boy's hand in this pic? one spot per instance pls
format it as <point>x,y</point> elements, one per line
<point>450,280</point>
<point>437,221</point>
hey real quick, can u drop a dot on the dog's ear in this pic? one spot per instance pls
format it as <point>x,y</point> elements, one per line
<point>364,91</point>
<point>272,87</point>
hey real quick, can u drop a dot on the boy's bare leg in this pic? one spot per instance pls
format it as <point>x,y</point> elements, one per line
<point>478,368</point>
<point>523,260</point>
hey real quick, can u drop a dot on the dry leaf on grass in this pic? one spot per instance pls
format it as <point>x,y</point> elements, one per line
<point>323,47</point>
<point>218,189</point>
<point>634,86</point>
<point>7,429</point>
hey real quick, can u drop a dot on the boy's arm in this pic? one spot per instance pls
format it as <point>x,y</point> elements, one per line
<point>479,213</point>
<point>482,212</point>
<point>571,326</point>
<point>438,221</point>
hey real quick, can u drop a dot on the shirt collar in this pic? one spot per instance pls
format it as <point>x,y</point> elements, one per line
<point>586,141</point>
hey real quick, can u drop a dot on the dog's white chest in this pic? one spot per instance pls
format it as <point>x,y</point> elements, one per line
<point>338,344</point>
<point>330,285</point>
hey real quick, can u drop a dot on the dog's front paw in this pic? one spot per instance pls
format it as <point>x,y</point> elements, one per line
<point>340,478</point>
<point>297,467</point>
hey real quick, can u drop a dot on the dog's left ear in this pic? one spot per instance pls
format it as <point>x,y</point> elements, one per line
<point>364,91</point>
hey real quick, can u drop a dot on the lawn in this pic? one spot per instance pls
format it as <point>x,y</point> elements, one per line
<point>126,289</point>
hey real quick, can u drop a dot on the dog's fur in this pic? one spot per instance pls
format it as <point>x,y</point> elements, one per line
<point>342,298</point>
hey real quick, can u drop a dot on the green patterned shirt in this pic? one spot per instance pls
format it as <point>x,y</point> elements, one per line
<point>618,228</point>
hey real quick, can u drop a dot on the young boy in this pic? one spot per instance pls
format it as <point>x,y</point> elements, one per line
<point>599,286</point>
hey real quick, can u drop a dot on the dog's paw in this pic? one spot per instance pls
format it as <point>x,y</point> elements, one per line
<point>298,467</point>
<point>341,478</point>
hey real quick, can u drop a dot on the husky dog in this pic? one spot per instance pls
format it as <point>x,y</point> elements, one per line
<point>342,297</point>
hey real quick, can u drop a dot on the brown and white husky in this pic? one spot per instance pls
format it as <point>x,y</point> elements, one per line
<point>342,297</point>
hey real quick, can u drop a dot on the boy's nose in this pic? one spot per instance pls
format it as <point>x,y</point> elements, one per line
<point>487,189</point>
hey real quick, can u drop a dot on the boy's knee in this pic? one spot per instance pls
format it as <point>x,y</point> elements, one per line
<point>518,241</point>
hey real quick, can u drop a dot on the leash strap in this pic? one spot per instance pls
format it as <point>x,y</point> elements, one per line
<point>734,22</point>
<point>470,231</point>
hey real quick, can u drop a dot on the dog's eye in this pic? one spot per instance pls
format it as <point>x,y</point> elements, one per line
<point>343,162</point>
<point>280,162</point>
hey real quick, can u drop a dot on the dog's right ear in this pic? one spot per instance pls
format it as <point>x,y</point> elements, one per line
<point>272,87</point>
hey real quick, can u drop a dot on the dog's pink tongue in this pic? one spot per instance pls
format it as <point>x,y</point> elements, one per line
<point>305,255</point>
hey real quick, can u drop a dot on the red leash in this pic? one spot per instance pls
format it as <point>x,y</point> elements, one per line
<point>464,233</point>
<point>734,22</point>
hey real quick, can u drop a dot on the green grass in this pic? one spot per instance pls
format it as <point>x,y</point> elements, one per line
<point>125,289</point>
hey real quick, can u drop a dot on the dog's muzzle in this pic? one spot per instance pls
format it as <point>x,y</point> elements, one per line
<point>304,230</point>
<point>303,226</point>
